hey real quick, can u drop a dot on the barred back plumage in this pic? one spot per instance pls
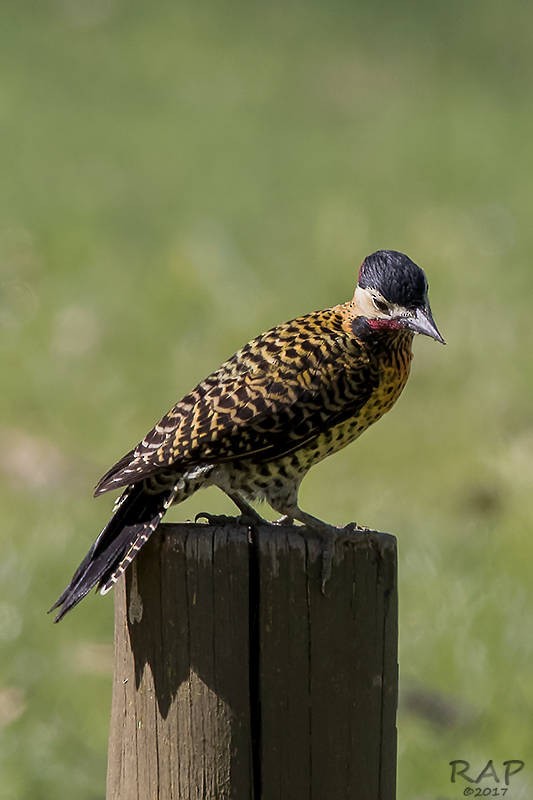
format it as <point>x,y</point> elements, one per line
<point>255,426</point>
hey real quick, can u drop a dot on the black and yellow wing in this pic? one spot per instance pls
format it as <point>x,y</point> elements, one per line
<point>278,392</point>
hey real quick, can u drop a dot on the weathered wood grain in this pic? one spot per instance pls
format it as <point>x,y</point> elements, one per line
<point>235,678</point>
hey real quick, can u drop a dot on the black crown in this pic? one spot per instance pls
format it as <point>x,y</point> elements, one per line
<point>397,278</point>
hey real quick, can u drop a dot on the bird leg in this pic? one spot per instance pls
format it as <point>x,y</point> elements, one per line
<point>248,515</point>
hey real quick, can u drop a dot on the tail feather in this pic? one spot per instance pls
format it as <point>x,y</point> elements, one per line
<point>137,515</point>
<point>137,540</point>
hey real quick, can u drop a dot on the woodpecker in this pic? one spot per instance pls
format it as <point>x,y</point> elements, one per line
<point>254,427</point>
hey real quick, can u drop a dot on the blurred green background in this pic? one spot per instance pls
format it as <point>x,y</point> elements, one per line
<point>176,177</point>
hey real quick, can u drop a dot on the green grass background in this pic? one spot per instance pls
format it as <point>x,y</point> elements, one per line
<point>176,177</point>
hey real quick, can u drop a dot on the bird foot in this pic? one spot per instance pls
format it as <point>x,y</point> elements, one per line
<point>247,519</point>
<point>353,527</point>
<point>330,535</point>
<point>284,520</point>
<point>214,519</point>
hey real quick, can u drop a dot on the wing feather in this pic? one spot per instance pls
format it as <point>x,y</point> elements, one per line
<point>276,393</point>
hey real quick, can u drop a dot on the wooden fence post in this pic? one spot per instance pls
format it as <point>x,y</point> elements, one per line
<point>236,679</point>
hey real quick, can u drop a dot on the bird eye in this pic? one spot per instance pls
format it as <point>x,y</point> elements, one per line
<point>381,305</point>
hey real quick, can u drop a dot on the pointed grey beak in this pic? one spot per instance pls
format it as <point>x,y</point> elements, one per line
<point>423,322</point>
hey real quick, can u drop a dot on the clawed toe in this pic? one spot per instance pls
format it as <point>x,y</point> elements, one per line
<point>350,529</point>
<point>224,519</point>
<point>330,536</point>
<point>328,551</point>
<point>215,519</point>
<point>284,520</point>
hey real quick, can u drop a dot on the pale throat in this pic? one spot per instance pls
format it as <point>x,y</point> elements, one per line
<point>363,305</point>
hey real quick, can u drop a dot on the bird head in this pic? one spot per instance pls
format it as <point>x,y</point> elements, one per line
<point>392,293</point>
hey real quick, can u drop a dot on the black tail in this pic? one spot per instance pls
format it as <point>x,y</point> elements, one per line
<point>136,515</point>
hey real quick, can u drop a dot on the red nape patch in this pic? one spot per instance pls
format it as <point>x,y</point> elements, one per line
<point>379,324</point>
